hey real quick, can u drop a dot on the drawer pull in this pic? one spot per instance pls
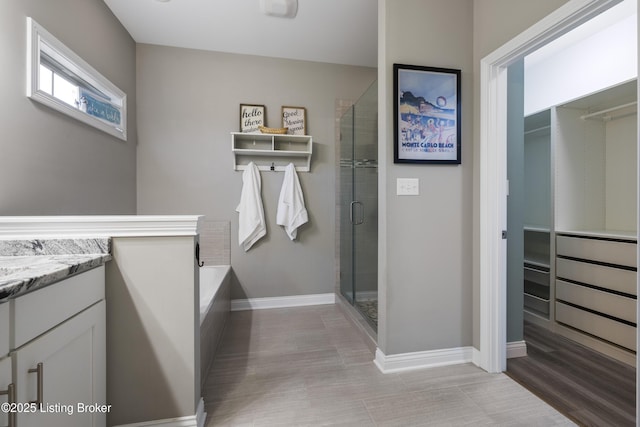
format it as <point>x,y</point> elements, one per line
<point>10,392</point>
<point>39,374</point>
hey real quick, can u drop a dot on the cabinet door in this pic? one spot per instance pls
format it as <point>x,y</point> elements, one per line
<point>4,330</point>
<point>5,381</point>
<point>73,358</point>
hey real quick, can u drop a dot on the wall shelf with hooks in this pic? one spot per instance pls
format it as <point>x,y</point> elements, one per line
<point>271,152</point>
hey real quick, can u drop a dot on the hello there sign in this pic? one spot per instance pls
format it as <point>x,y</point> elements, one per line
<point>252,117</point>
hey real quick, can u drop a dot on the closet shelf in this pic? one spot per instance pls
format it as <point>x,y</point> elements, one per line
<point>629,235</point>
<point>536,229</point>
<point>271,152</point>
<point>539,263</point>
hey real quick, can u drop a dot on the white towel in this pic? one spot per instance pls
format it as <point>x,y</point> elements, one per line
<point>251,225</point>
<point>291,211</point>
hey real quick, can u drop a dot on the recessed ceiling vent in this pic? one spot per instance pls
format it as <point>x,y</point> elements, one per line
<point>279,8</point>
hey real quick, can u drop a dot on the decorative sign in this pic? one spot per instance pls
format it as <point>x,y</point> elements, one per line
<point>252,117</point>
<point>294,118</point>
<point>99,107</point>
<point>426,114</point>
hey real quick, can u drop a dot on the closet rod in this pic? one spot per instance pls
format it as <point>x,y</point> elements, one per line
<point>608,110</point>
<point>527,132</point>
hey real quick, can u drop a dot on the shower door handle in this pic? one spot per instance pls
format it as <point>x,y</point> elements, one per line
<point>351,212</point>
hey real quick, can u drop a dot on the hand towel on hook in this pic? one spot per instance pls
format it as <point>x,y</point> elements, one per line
<point>291,210</point>
<point>251,225</point>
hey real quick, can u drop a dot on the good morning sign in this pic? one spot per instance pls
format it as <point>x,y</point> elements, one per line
<point>294,118</point>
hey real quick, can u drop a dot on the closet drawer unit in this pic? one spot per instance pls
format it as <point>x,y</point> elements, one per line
<point>536,276</point>
<point>615,279</point>
<point>599,326</point>
<point>603,302</point>
<point>538,305</point>
<point>607,251</point>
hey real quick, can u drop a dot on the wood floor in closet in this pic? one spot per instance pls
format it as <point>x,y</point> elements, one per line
<point>589,388</point>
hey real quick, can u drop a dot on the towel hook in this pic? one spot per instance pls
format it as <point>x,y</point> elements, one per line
<point>200,264</point>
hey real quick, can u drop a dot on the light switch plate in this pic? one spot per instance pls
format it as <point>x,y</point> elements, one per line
<point>408,187</point>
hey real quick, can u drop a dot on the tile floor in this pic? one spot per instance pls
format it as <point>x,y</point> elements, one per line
<point>309,366</point>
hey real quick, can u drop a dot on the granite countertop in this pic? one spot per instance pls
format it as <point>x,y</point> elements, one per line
<point>26,265</point>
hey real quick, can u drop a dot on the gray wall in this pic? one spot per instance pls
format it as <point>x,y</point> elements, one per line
<point>427,239</point>
<point>429,287</point>
<point>51,164</point>
<point>188,103</point>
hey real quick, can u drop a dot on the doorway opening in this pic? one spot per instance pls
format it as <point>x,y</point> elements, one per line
<point>493,176</point>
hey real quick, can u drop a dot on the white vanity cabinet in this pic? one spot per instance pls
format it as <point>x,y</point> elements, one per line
<point>59,353</point>
<point>152,317</point>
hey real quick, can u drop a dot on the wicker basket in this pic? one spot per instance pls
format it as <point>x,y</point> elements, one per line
<point>278,131</point>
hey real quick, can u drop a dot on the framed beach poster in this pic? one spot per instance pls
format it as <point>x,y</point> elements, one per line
<point>252,117</point>
<point>426,114</point>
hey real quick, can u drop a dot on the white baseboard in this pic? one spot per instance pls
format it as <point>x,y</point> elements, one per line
<point>196,420</point>
<point>475,356</point>
<point>282,302</point>
<point>422,359</point>
<point>516,349</point>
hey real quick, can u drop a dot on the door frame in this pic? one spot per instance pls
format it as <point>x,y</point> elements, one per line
<point>493,169</point>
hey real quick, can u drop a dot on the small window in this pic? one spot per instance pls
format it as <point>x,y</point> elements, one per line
<point>62,80</point>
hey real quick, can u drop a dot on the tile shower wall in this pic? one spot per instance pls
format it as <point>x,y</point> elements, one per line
<point>215,242</point>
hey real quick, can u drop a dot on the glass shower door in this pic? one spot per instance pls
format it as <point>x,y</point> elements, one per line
<point>346,197</point>
<point>359,205</point>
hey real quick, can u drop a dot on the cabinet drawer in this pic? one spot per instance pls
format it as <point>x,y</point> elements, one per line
<point>4,330</point>
<point>41,310</point>
<point>620,253</point>
<point>603,302</point>
<point>602,327</point>
<point>615,279</point>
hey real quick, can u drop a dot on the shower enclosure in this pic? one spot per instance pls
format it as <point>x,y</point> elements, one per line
<point>359,205</point>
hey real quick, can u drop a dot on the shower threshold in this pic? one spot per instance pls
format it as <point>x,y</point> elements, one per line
<point>369,310</point>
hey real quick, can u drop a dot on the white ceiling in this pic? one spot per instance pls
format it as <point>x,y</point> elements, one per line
<point>333,31</point>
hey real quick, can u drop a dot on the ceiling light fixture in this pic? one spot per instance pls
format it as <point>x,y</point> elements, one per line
<point>279,8</point>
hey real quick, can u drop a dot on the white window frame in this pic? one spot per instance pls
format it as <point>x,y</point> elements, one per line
<point>39,40</point>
